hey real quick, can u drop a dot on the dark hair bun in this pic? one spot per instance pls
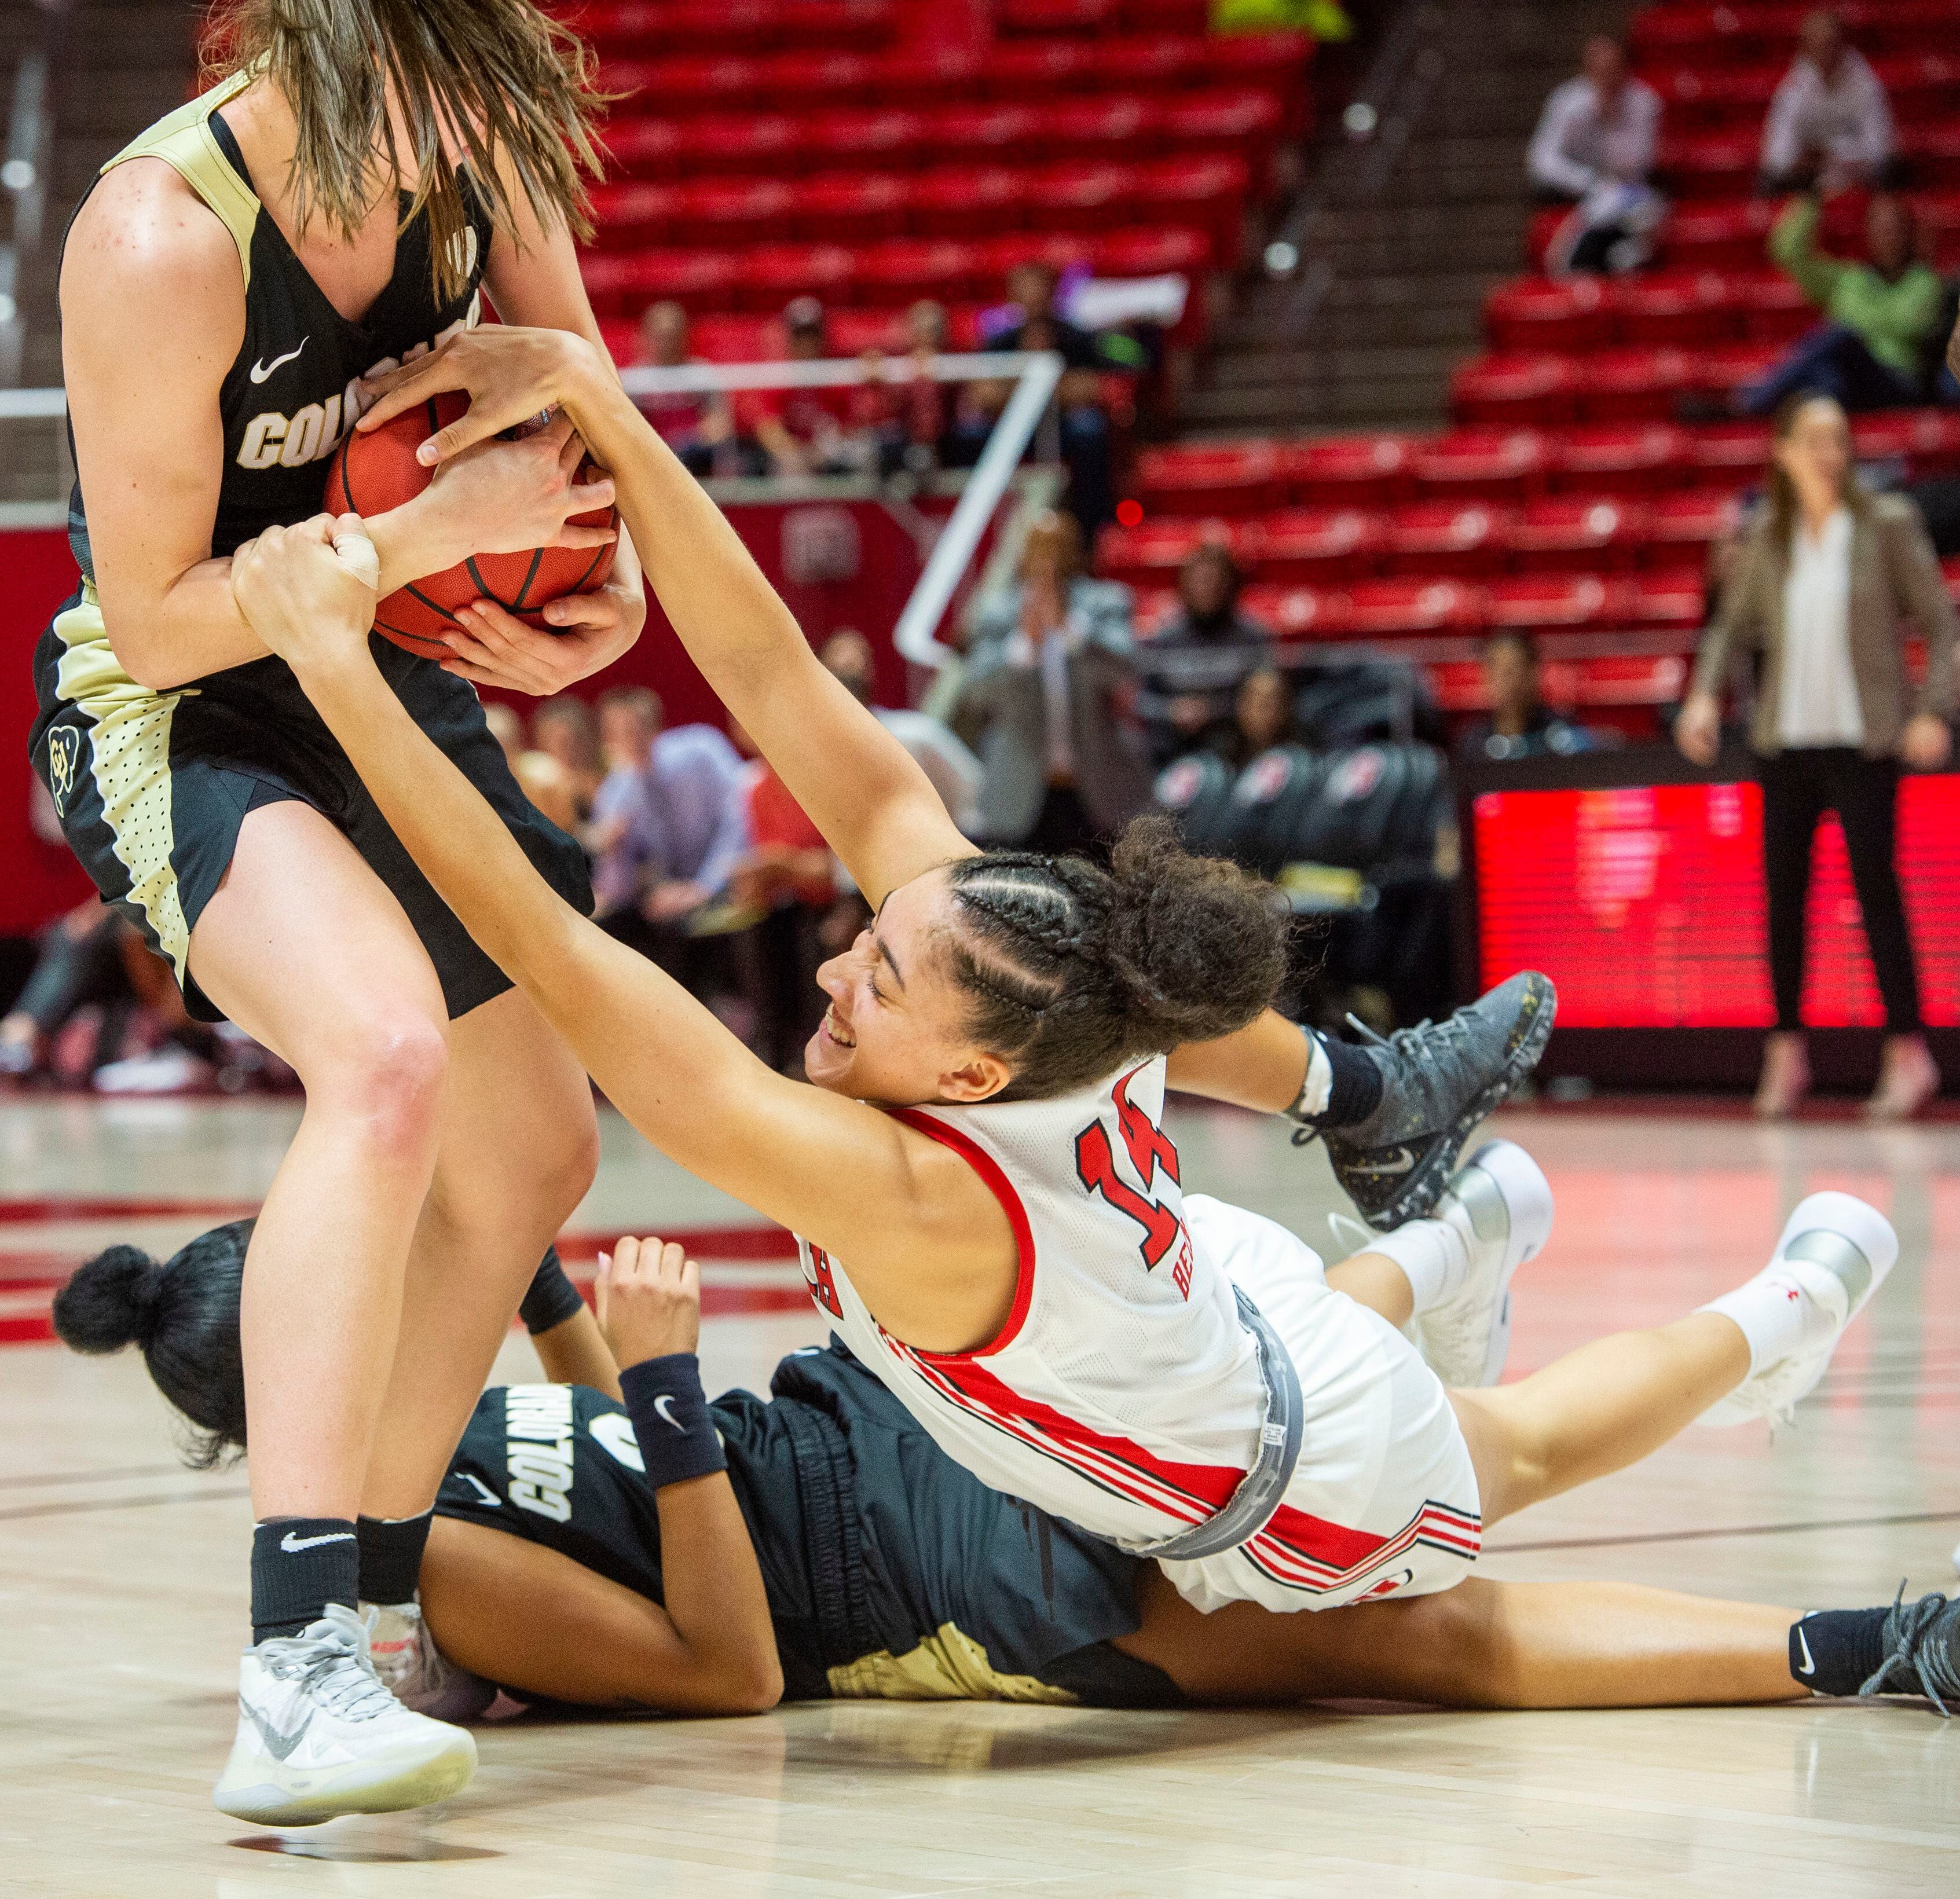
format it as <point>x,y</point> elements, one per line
<point>111,1302</point>
<point>1199,944</point>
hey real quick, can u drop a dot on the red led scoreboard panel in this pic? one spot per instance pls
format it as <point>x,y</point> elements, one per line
<point>1644,904</point>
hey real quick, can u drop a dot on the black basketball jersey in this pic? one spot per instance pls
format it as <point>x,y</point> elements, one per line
<point>293,391</point>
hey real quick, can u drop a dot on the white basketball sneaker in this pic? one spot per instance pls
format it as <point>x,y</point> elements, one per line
<point>1835,1253</point>
<point>410,1666</point>
<point>319,1735</point>
<point>1499,1202</point>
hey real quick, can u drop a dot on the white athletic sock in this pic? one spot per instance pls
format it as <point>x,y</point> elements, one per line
<point>1318,1088</point>
<point>1433,1256</point>
<point>1778,1313</point>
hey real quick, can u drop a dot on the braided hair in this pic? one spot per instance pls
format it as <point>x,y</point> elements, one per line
<point>1072,970</point>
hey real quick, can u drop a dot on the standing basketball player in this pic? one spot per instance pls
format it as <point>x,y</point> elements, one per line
<point>990,1211</point>
<point>330,208</point>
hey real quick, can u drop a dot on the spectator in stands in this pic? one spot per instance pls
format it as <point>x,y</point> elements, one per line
<point>1520,725</point>
<point>950,765</point>
<point>1593,150</point>
<point>1830,124</point>
<point>1085,445</point>
<point>564,729</point>
<point>1188,676</point>
<point>1825,579</point>
<point>698,426</point>
<point>1262,716</point>
<point>546,782</point>
<point>809,432</point>
<point>1043,701</point>
<point>667,827</point>
<point>1877,347</point>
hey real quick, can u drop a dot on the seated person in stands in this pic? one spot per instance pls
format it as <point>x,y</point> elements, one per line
<point>1877,344</point>
<point>1593,150</point>
<point>1045,700</point>
<point>541,778</point>
<point>1085,416</point>
<point>1188,676</point>
<point>1830,123</point>
<point>905,414</point>
<point>667,828</point>
<point>698,426</point>
<point>1520,726</point>
<point>809,432</point>
<point>955,772</point>
<point>563,728</point>
<point>1262,716</point>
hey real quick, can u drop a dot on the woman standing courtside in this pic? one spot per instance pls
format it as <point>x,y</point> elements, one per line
<point>328,208</point>
<point>1822,585</point>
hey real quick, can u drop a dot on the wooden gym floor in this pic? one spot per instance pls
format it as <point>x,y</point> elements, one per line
<point>121,1597</point>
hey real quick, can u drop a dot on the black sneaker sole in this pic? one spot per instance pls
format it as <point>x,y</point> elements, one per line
<point>1425,1182</point>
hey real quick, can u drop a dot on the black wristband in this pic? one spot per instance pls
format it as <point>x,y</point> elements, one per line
<point>551,1298</point>
<point>669,1412</point>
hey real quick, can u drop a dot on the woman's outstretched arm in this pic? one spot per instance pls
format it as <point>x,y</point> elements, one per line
<point>875,807</point>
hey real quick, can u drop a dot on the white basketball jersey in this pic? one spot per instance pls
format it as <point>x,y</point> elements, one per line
<point>1122,1392</point>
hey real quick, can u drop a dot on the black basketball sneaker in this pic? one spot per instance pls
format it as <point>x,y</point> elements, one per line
<point>1439,1081</point>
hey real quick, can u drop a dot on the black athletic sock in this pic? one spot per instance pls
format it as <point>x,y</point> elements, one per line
<point>1842,1647</point>
<point>299,1565</point>
<point>1356,1090</point>
<point>391,1556</point>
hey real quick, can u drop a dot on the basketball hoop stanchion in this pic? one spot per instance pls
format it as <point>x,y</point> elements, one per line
<point>1034,374</point>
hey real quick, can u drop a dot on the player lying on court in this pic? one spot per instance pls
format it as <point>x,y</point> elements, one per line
<point>989,1211</point>
<point>595,1553</point>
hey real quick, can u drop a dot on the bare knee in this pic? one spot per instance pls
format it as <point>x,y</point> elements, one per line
<point>386,1075</point>
<point>1466,1629</point>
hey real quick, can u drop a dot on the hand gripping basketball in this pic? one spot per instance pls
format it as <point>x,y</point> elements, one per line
<point>308,590</point>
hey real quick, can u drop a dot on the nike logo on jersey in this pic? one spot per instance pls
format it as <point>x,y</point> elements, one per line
<point>262,369</point>
<point>1400,1162</point>
<point>293,1544</point>
<point>1809,1667</point>
<point>486,1496</point>
<point>667,1416</point>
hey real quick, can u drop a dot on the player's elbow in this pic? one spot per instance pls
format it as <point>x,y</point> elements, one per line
<point>750,1682</point>
<point>141,654</point>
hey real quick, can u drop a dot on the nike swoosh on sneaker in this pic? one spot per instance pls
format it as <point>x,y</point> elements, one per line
<point>293,1544</point>
<point>262,369</point>
<point>1402,1161</point>
<point>279,1746</point>
<point>1809,1667</point>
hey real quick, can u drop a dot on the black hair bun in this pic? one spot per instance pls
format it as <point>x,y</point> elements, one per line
<point>111,1302</point>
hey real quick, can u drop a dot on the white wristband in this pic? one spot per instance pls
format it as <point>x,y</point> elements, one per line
<point>357,553</point>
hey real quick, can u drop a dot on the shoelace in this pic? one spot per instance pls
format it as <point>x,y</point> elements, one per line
<point>337,1678</point>
<point>1932,1668</point>
<point>1349,1233</point>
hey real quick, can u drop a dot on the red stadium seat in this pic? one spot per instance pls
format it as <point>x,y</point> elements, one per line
<point>772,274</point>
<point>1619,679</point>
<point>1712,34</point>
<point>622,284</point>
<point>922,77</point>
<point>1737,451</point>
<point>901,270</point>
<point>1921,86</point>
<point>1301,612</point>
<point>1058,249</point>
<point>729,214</point>
<point>852,332</point>
<point>1243,122</point>
<point>1153,62</point>
<point>1081,195</point>
<point>1318,547</point>
<point>631,217</point>
<point>1558,602</point>
<point>1773,308</point>
<point>870,136</point>
<point>1683,309</point>
<point>1166,16</point>
<point>974,201</point>
<point>1255,59</point>
<point>684,84</point>
<point>1456,540</point>
<point>1700,98</point>
<point>645,148</point>
<point>1635,385</point>
<point>1203,190</point>
<point>976,133</point>
<point>1149,252</point>
<point>1056,16</point>
<point>798,82</point>
<point>1482,465</point>
<point>1721,165</point>
<point>1727,366</point>
<point>1936,442</point>
<point>849,208</point>
<point>1150,554</point>
<point>1626,459</point>
<point>735,339</point>
<point>1350,471</point>
<point>1673,598</point>
<point>1498,391</point>
<point>1030,69</point>
<point>1211,478</point>
<point>1682,524</point>
<point>1535,314</point>
<point>1719,236</point>
<point>1577,534</point>
<point>767,145</point>
<point>1106,126</point>
<point>1934,154</point>
<point>1389,610</point>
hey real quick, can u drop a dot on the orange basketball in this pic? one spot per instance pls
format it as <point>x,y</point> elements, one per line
<point>373,473</point>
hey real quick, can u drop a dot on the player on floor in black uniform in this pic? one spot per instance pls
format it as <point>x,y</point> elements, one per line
<point>666,1553</point>
<point>331,208</point>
